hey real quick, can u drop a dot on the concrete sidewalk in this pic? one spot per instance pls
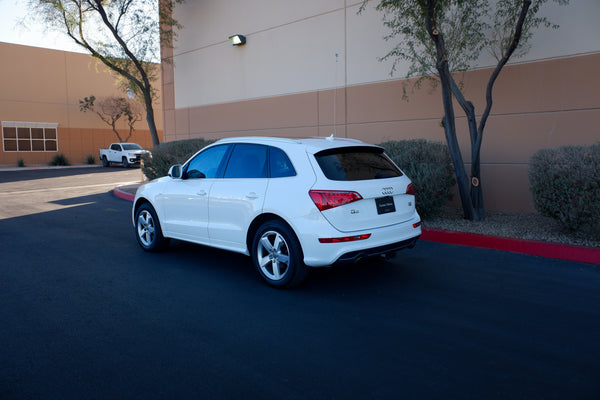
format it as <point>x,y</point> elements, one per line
<point>559,251</point>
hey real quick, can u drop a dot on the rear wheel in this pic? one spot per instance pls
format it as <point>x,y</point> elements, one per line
<point>277,255</point>
<point>105,162</point>
<point>147,229</point>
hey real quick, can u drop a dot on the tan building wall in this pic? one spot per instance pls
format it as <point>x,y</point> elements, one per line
<point>44,86</point>
<point>283,81</point>
<point>529,114</point>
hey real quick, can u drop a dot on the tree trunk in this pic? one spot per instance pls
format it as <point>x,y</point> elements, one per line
<point>462,179</point>
<point>471,193</point>
<point>477,192</point>
<point>447,81</point>
<point>150,117</point>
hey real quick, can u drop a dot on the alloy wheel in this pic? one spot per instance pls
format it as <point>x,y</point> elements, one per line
<point>145,228</point>
<point>273,255</point>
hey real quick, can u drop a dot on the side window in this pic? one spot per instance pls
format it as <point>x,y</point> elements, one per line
<point>206,164</point>
<point>247,161</point>
<point>115,147</point>
<point>279,164</point>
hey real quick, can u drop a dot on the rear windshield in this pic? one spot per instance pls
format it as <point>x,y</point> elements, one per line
<point>356,164</point>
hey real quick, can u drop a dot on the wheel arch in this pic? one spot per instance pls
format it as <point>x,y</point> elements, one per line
<point>259,221</point>
<point>138,203</point>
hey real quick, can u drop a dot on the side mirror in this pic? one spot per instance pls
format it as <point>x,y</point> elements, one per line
<point>175,171</point>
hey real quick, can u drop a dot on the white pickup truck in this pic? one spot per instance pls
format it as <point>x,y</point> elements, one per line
<point>126,154</point>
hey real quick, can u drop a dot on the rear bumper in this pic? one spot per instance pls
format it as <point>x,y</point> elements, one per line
<point>382,240</point>
<point>388,249</point>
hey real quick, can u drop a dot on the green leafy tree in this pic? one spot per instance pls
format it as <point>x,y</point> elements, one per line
<point>125,35</point>
<point>441,37</point>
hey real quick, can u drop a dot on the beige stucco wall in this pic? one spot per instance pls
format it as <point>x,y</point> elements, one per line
<point>530,113</point>
<point>283,81</point>
<point>42,85</point>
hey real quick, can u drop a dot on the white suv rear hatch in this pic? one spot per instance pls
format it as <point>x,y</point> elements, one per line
<point>359,188</point>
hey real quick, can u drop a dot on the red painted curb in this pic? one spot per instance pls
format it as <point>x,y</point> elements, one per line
<point>532,247</point>
<point>123,195</point>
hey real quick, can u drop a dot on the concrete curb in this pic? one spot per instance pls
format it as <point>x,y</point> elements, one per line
<point>581,254</point>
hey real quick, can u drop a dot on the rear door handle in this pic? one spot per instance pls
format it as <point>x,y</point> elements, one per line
<point>252,196</point>
<point>201,193</point>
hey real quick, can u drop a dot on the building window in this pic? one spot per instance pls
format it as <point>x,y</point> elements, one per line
<point>29,136</point>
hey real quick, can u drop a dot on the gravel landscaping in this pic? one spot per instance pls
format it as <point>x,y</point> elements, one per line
<point>529,226</point>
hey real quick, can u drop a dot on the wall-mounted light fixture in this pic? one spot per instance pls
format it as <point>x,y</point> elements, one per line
<point>237,40</point>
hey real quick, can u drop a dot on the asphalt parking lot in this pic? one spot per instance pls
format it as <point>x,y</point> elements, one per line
<point>86,314</point>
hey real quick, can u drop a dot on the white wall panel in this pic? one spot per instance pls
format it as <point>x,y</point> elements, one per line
<point>292,45</point>
<point>365,45</point>
<point>208,22</point>
<point>578,33</point>
<point>292,58</point>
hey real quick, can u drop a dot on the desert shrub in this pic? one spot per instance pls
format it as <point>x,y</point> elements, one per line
<point>20,163</point>
<point>429,166</point>
<point>91,160</point>
<point>170,153</point>
<point>59,159</point>
<point>565,184</point>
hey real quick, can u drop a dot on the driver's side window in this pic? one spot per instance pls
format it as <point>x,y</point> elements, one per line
<point>207,163</point>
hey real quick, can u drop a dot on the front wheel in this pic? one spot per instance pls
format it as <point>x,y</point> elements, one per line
<point>147,229</point>
<point>125,162</point>
<point>277,255</point>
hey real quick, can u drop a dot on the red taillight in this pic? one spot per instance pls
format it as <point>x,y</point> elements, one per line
<point>345,239</point>
<point>410,189</point>
<point>326,199</point>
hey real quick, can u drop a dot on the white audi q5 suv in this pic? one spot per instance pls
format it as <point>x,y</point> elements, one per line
<point>289,204</point>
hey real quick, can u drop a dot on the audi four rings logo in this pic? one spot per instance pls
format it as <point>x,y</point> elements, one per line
<point>387,191</point>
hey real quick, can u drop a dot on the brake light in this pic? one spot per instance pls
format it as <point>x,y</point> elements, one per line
<point>410,189</point>
<point>326,199</point>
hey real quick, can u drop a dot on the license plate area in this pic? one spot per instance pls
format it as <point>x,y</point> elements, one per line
<point>385,205</point>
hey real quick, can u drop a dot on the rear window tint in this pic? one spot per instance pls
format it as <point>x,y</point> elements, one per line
<point>356,164</point>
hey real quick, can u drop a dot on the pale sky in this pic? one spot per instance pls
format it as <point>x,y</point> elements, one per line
<point>11,31</point>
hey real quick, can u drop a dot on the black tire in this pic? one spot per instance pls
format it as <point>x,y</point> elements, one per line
<point>147,229</point>
<point>277,255</point>
<point>125,162</point>
<point>105,162</point>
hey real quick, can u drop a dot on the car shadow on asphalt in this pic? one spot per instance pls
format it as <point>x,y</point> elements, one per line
<point>78,225</point>
<point>366,275</point>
